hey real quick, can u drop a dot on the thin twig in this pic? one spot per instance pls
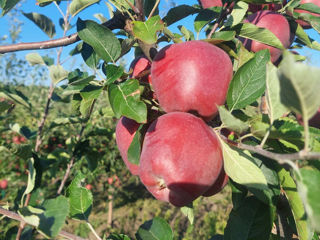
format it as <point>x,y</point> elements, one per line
<point>93,231</point>
<point>223,13</point>
<point>70,164</point>
<point>17,217</point>
<point>139,5</point>
<point>117,22</point>
<point>136,10</point>
<point>154,9</point>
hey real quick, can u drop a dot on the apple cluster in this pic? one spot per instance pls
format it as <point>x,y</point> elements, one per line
<point>181,157</point>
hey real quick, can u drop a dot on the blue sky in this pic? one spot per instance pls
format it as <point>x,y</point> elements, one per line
<point>31,33</point>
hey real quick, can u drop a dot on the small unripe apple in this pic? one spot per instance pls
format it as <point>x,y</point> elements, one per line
<point>210,3</point>
<point>192,77</point>
<point>3,184</point>
<point>274,22</point>
<point>181,158</point>
<point>218,185</point>
<point>303,23</point>
<point>125,131</point>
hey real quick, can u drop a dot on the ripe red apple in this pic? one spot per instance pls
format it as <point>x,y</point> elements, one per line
<point>303,23</point>
<point>3,184</point>
<point>192,77</point>
<point>140,65</point>
<point>125,131</point>
<point>269,6</point>
<point>210,3</point>
<point>315,120</point>
<point>89,186</point>
<point>181,158</point>
<point>274,22</point>
<point>218,185</point>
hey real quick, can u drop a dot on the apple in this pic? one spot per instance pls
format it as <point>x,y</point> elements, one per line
<point>303,23</point>
<point>3,184</point>
<point>125,131</point>
<point>315,120</point>
<point>139,66</point>
<point>192,77</point>
<point>181,158</point>
<point>274,22</point>
<point>269,6</point>
<point>89,186</point>
<point>218,185</point>
<point>210,3</point>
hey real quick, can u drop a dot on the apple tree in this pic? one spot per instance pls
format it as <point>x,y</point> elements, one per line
<point>224,99</point>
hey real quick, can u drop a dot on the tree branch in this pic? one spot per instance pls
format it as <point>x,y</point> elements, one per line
<point>117,22</point>
<point>17,217</point>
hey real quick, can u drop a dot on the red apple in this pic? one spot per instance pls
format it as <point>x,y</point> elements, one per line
<point>303,23</point>
<point>315,120</point>
<point>274,22</point>
<point>125,131</point>
<point>181,158</point>
<point>3,184</point>
<point>110,180</point>
<point>89,186</point>
<point>210,3</point>
<point>192,77</point>
<point>218,185</point>
<point>140,65</point>
<point>269,6</point>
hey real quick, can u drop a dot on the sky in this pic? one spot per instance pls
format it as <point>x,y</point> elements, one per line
<point>31,33</point>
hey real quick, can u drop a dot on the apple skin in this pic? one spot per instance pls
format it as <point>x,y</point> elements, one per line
<point>89,186</point>
<point>192,77</point>
<point>274,22</point>
<point>303,23</point>
<point>269,6</point>
<point>138,66</point>
<point>218,185</point>
<point>210,3</point>
<point>3,184</point>
<point>125,131</point>
<point>181,158</point>
<point>315,120</point>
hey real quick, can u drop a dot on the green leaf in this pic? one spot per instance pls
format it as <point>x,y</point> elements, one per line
<point>304,37</point>
<point>54,216</point>
<point>4,106</point>
<point>177,13</point>
<point>263,35</point>
<point>125,100</point>
<point>31,177</point>
<point>310,7</point>
<point>30,215</point>
<point>50,218</point>
<point>240,167</point>
<point>251,220</point>
<point>155,229</point>
<point>231,122</point>
<point>34,59</point>
<point>76,86</point>
<point>43,22</point>
<point>147,31</point>
<point>7,5</point>
<point>299,86</point>
<point>80,198</point>
<point>222,36</point>
<point>118,237</point>
<point>57,73</point>
<point>91,91</point>
<point>189,212</point>
<point>203,18</point>
<point>308,186</point>
<point>77,6</point>
<point>134,150</point>
<point>249,82</point>
<point>112,73</point>
<point>276,108</point>
<point>100,38</point>
<point>238,12</point>
<point>23,151</point>
<point>90,57</point>
<point>290,189</point>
